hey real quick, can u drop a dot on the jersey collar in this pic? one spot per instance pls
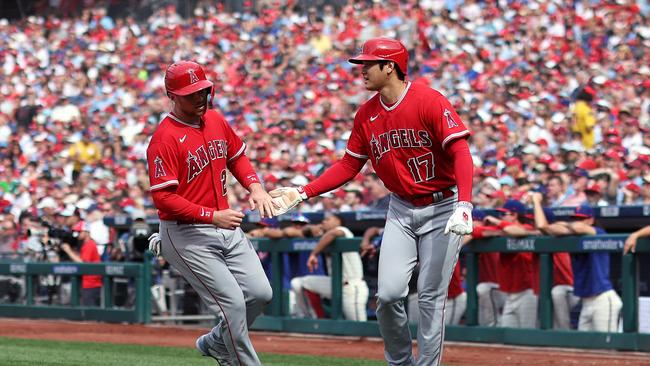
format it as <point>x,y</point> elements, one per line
<point>172,116</point>
<point>399,100</point>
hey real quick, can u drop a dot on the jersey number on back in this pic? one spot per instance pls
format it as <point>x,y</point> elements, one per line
<point>421,167</point>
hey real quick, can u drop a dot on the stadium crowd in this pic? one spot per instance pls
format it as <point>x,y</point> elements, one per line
<point>557,95</point>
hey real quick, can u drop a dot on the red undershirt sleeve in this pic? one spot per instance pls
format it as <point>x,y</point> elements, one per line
<point>337,175</point>
<point>463,167</point>
<point>168,201</point>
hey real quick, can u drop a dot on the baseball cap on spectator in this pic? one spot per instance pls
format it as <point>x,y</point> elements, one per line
<point>546,159</point>
<point>68,211</point>
<point>593,188</point>
<point>583,211</point>
<point>81,226</point>
<point>300,218</point>
<point>47,202</point>
<point>614,139</point>
<point>514,161</point>
<point>507,181</point>
<point>588,164</point>
<point>497,194</point>
<point>478,215</point>
<point>513,206</point>
<point>268,222</point>
<point>531,149</point>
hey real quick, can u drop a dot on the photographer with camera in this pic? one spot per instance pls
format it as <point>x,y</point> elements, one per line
<point>90,285</point>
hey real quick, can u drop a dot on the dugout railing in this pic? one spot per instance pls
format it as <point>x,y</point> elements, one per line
<point>629,340</point>
<point>28,273</point>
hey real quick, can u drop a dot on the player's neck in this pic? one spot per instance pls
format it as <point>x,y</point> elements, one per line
<point>187,119</point>
<point>392,91</point>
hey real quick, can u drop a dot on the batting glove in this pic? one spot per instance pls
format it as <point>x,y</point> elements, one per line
<point>460,222</point>
<point>286,198</point>
<point>154,244</point>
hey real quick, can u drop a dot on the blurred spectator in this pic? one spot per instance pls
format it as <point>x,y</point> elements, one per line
<point>355,289</point>
<point>601,305</point>
<point>379,194</point>
<point>585,121</point>
<point>91,285</point>
<point>83,153</point>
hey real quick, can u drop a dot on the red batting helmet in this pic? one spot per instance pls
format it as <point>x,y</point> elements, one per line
<point>382,48</point>
<point>185,77</point>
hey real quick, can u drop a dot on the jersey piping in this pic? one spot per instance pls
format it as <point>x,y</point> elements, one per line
<point>241,150</point>
<point>358,156</point>
<point>180,121</point>
<point>164,184</point>
<point>454,136</point>
<point>408,85</point>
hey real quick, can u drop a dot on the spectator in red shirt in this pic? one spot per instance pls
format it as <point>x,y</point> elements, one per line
<point>91,286</point>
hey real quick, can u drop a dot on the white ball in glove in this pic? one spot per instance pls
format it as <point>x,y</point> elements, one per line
<point>460,222</point>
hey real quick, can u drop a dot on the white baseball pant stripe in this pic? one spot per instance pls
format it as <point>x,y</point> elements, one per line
<point>415,234</point>
<point>223,268</point>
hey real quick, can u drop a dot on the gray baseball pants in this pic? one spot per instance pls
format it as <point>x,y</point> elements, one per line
<point>415,234</point>
<point>223,268</point>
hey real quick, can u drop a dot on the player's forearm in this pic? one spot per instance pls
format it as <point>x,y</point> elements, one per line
<point>338,174</point>
<point>541,223</point>
<point>169,202</point>
<point>242,169</point>
<point>323,243</point>
<point>463,168</point>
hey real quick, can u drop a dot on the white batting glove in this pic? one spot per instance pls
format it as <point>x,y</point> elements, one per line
<point>154,244</point>
<point>460,222</point>
<point>286,198</point>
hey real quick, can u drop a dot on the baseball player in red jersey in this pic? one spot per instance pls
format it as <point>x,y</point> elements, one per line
<point>417,145</point>
<point>200,236</point>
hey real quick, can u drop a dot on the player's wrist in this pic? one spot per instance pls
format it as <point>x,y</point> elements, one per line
<point>465,205</point>
<point>302,192</point>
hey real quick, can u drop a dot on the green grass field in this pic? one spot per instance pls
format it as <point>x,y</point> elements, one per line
<point>26,352</point>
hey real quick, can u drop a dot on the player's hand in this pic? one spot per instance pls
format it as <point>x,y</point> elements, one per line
<point>312,262</point>
<point>460,222</point>
<point>154,244</point>
<point>261,200</point>
<point>368,248</point>
<point>630,244</point>
<point>227,219</point>
<point>286,198</point>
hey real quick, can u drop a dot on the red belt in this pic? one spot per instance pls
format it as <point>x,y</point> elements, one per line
<point>429,199</point>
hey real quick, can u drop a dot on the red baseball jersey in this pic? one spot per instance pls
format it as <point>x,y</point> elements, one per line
<point>406,141</point>
<point>562,271</point>
<point>194,158</point>
<point>456,283</point>
<point>516,269</point>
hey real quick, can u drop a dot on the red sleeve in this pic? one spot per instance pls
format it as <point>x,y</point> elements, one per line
<point>168,201</point>
<point>243,171</point>
<point>463,168</point>
<point>446,123</point>
<point>89,253</point>
<point>337,175</point>
<point>163,166</point>
<point>505,224</point>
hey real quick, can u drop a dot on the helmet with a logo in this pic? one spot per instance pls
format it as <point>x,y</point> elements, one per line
<point>382,48</point>
<point>185,77</point>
